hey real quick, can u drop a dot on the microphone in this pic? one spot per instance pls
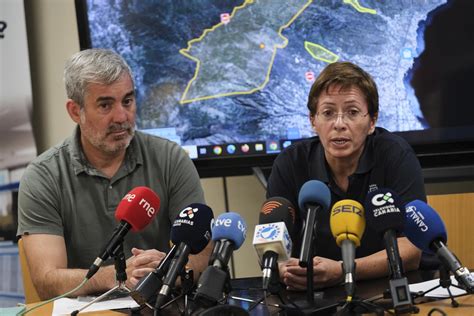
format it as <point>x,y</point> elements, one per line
<point>386,217</point>
<point>136,210</point>
<point>278,209</point>
<point>191,233</point>
<point>149,285</point>
<point>347,224</point>
<point>228,233</point>
<point>314,196</point>
<point>426,230</point>
<point>271,239</point>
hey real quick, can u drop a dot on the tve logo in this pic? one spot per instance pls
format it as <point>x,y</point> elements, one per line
<point>225,221</point>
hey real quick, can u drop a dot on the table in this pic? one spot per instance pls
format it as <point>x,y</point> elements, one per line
<point>250,288</point>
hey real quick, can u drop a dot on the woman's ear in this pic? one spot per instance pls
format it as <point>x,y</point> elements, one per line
<point>373,122</point>
<point>312,121</point>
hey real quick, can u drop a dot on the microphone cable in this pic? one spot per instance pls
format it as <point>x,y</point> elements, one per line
<point>54,298</point>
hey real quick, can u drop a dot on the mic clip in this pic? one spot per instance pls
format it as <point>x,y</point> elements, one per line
<point>214,285</point>
<point>121,277</point>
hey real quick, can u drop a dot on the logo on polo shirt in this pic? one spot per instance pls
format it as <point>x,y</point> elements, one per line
<point>373,187</point>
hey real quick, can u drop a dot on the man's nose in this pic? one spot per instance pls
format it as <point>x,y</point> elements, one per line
<point>119,113</point>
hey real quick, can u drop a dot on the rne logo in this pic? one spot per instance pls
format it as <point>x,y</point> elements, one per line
<point>150,211</point>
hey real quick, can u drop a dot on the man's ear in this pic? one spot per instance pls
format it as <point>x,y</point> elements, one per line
<point>74,110</point>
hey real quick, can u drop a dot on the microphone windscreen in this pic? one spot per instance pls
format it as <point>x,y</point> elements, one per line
<point>138,207</point>
<point>383,211</point>
<point>347,221</point>
<point>230,226</point>
<point>192,226</point>
<point>316,193</point>
<point>424,225</point>
<point>278,209</point>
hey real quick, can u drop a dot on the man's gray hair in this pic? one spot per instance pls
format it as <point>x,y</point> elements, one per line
<point>101,66</point>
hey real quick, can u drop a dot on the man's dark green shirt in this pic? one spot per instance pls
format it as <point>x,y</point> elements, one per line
<point>62,194</point>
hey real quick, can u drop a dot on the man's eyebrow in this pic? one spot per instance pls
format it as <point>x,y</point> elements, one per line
<point>106,98</point>
<point>109,98</point>
<point>130,94</point>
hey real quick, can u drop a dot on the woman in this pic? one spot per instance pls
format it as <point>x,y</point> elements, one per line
<point>352,157</point>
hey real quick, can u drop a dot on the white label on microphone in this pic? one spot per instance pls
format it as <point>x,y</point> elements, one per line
<point>274,237</point>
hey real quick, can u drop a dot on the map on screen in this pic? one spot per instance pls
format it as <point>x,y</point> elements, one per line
<point>218,72</point>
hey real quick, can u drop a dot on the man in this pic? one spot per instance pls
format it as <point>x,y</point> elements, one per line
<point>68,195</point>
<point>352,157</point>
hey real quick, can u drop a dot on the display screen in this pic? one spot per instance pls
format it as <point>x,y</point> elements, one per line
<point>228,79</point>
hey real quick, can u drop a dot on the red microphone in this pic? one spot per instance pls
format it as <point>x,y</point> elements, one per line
<point>136,210</point>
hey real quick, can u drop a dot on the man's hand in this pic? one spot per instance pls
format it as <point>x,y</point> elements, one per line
<point>327,272</point>
<point>141,263</point>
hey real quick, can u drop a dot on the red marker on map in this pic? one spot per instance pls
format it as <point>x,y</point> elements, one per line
<point>225,18</point>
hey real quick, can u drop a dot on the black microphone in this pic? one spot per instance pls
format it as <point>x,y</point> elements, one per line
<point>148,286</point>
<point>136,210</point>
<point>228,233</point>
<point>191,233</point>
<point>278,209</point>
<point>387,218</point>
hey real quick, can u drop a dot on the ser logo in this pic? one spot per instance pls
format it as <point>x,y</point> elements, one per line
<point>347,208</point>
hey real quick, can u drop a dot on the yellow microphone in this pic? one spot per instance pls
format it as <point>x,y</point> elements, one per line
<point>347,224</point>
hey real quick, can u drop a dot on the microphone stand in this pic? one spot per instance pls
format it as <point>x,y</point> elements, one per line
<point>357,306</point>
<point>187,285</point>
<point>309,307</point>
<point>444,282</point>
<point>121,278</point>
<point>306,257</point>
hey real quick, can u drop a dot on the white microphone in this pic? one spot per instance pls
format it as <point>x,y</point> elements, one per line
<point>272,243</point>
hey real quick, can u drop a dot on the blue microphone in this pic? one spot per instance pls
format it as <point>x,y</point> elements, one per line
<point>228,233</point>
<point>314,196</point>
<point>314,193</point>
<point>426,230</point>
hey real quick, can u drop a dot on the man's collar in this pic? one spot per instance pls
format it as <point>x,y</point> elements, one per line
<point>78,159</point>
